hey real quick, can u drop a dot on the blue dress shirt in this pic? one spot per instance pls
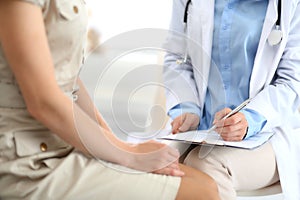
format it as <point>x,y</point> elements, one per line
<point>237,29</point>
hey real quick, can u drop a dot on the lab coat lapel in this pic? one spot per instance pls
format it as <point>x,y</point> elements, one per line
<point>207,25</point>
<point>201,51</point>
<point>263,63</point>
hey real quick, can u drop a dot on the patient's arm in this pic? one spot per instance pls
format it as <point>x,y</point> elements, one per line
<point>85,102</point>
<point>21,23</point>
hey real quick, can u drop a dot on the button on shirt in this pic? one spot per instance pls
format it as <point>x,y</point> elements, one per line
<point>237,29</point>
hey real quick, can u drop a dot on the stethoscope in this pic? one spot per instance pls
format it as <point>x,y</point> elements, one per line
<point>276,34</point>
<point>274,38</point>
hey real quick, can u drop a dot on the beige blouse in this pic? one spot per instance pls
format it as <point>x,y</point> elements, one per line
<point>21,136</point>
<point>66,27</point>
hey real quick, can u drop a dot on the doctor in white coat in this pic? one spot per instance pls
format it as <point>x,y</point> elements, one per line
<point>195,78</point>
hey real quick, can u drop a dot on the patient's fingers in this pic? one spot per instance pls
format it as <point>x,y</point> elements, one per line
<point>171,170</point>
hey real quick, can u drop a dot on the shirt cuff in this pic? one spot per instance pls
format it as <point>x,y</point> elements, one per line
<point>256,122</point>
<point>187,107</point>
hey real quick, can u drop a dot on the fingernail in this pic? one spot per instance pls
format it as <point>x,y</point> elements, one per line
<point>180,173</point>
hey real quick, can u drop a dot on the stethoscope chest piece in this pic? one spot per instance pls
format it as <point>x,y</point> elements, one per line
<point>275,37</point>
<point>276,34</point>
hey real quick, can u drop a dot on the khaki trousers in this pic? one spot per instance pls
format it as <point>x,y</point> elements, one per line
<point>236,169</point>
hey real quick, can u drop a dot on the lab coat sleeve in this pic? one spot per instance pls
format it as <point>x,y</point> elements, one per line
<point>178,78</point>
<point>255,122</point>
<point>279,101</point>
<point>184,108</point>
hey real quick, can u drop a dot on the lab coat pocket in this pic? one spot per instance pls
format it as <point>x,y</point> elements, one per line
<point>69,10</point>
<point>35,142</point>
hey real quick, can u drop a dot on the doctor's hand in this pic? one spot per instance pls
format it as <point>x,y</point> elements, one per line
<point>185,122</point>
<point>234,128</point>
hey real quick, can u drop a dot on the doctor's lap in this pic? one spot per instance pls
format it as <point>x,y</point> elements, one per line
<point>223,53</point>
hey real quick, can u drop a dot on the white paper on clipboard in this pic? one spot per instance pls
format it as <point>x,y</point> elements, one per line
<point>213,138</point>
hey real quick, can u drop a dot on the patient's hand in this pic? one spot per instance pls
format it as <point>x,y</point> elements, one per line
<point>156,157</point>
<point>171,170</point>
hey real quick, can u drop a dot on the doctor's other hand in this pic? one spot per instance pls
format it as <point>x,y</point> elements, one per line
<point>233,128</point>
<point>185,122</point>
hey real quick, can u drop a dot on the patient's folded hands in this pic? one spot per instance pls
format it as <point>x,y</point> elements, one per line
<point>152,156</point>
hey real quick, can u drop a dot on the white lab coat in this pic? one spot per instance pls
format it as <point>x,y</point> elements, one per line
<point>274,84</point>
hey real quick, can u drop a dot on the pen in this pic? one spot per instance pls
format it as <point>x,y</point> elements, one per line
<point>237,109</point>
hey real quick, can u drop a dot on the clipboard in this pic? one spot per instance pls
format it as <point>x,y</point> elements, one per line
<point>204,137</point>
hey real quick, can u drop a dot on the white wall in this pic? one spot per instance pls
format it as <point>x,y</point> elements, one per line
<point>113,17</point>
